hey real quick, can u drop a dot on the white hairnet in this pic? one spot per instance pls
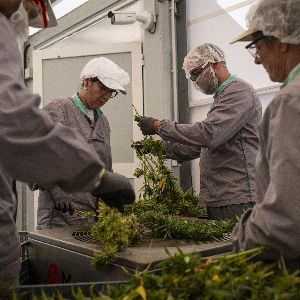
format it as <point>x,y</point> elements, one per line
<point>109,73</point>
<point>277,18</point>
<point>201,56</point>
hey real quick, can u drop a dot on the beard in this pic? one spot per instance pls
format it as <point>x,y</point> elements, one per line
<point>207,82</point>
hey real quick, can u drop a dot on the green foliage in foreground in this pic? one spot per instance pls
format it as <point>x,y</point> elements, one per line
<point>188,277</point>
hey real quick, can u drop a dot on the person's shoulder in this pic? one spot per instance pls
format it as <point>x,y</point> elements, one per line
<point>59,102</point>
<point>242,87</point>
<point>241,83</point>
<point>289,96</point>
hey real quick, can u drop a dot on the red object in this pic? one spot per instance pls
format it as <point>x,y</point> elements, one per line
<point>54,274</point>
<point>44,11</point>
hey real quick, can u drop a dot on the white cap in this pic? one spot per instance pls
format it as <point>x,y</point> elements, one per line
<point>109,73</point>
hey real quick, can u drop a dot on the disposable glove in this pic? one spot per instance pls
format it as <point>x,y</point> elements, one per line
<point>63,206</point>
<point>146,125</point>
<point>115,190</point>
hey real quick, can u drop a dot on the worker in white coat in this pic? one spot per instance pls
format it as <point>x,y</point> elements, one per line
<point>226,141</point>
<point>101,80</point>
<point>274,32</point>
<point>32,147</point>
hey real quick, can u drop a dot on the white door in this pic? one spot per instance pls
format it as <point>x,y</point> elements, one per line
<point>56,74</point>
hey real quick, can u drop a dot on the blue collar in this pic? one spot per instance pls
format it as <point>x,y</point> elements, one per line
<point>293,74</point>
<point>83,108</point>
<point>221,87</point>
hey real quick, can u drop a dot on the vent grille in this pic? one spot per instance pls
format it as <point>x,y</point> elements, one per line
<point>83,234</point>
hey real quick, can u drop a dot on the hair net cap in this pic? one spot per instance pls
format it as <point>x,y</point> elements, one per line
<point>109,73</point>
<point>201,56</point>
<point>277,18</point>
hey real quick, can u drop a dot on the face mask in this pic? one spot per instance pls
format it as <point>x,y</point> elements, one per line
<point>207,82</point>
<point>19,22</point>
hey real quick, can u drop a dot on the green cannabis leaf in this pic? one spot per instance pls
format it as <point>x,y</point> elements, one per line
<point>115,232</point>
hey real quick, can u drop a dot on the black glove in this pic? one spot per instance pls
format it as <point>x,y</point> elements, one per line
<point>63,206</point>
<point>146,125</point>
<point>34,186</point>
<point>115,190</point>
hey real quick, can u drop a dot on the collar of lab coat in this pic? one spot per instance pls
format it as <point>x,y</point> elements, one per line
<point>221,87</point>
<point>83,108</point>
<point>294,73</point>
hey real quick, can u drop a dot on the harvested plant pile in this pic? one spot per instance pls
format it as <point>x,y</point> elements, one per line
<point>163,200</point>
<point>165,209</point>
<point>115,232</point>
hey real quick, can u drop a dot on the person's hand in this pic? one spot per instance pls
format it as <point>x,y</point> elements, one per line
<point>34,186</point>
<point>64,206</point>
<point>146,125</point>
<point>115,190</point>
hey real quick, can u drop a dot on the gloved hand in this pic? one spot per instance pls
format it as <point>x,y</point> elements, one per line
<point>115,190</point>
<point>146,125</point>
<point>34,186</point>
<point>63,206</point>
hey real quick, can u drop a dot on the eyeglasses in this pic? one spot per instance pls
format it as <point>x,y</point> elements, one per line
<point>252,47</point>
<point>194,74</point>
<point>105,90</point>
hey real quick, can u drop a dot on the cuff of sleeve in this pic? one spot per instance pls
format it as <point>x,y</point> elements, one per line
<point>161,124</point>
